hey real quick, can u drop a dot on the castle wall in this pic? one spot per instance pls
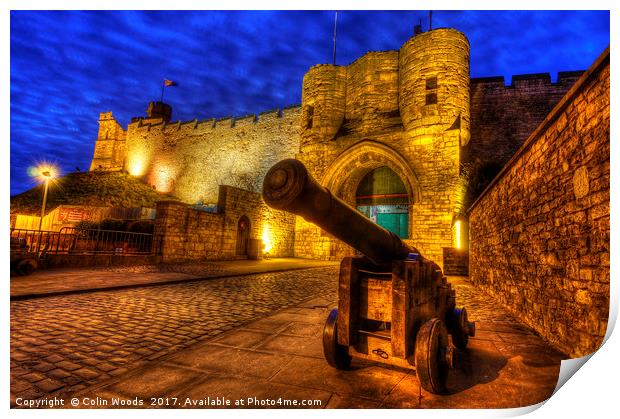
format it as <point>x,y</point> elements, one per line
<point>190,159</point>
<point>323,99</point>
<point>412,110</point>
<point>382,88</point>
<point>187,234</point>
<point>502,117</point>
<point>539,235</point>
<point>372,94</point>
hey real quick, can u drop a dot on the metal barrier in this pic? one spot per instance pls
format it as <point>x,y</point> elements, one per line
<point>70,240</point>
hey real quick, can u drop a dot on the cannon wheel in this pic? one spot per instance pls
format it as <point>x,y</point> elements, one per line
<point>26,266</point>
<point>459,328</point>
<point>336,355</point>
<point>430,356</point>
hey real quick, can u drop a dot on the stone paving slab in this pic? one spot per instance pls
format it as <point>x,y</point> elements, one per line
<point>70,280</point>
<point>279,357</point>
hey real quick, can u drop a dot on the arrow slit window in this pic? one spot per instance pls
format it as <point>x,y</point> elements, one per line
<point>431,90</point>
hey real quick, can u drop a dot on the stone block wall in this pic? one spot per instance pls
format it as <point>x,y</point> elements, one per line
<point>323,98</point>
<point>539,235</point>
<point>502,117</point>
<point>455,261</point>
<point>185,234</point>
<point>188,234</point>
<point>383,89</point>
<point>430,172</point>
<point>372,93</point>
<point>190,159</point>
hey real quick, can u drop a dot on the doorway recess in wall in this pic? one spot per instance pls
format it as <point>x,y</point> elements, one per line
<point>243,235</point>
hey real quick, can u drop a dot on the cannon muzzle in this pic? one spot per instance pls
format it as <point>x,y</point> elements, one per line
<point>288,186</point>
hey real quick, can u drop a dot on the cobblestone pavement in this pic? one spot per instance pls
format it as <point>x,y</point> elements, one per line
<point>63,344</point>
<point>278,361</point>
<point>111,342</point>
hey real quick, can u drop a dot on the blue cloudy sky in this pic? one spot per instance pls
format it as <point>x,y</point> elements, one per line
<point>68,66</point>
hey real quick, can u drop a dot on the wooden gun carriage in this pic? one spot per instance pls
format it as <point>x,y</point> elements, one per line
<point>394,306</point>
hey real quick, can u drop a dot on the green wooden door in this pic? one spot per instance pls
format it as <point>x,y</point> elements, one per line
<point>396,223</point>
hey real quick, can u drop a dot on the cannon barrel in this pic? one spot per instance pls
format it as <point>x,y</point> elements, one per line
<point>288,186</point>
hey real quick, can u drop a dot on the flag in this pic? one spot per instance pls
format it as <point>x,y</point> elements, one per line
<point>169,83</point>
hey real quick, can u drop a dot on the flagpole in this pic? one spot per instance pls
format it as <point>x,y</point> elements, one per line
<point>335,25</point>
<point>163,84</point>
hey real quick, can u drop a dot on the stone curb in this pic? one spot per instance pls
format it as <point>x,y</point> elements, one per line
<point>31,296</point>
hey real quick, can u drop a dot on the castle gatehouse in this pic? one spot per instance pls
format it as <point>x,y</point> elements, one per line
<point>405,136</point>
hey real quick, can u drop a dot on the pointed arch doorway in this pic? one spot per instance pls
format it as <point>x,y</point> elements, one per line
<point>381,196</point>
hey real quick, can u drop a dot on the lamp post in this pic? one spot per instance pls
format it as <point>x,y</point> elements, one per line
<point>48,175</point>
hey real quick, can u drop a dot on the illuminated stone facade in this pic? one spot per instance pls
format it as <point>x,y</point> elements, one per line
<point>110,151</point>
<point>540,235</point>
<point>409,110</point>
<point>184,233</point>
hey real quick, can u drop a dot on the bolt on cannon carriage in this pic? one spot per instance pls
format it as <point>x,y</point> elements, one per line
<point>394,306</point>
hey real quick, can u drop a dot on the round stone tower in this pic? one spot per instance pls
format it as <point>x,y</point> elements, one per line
<point>323,102</point>
<point>434,84</point>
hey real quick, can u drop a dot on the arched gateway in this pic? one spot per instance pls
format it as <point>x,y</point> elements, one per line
<point>378,181</point>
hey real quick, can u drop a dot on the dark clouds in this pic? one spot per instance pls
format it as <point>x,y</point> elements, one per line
<point>66,67</point>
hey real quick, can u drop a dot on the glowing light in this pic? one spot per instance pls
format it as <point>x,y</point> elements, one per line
<point>44,172</point>
<point>163,179</point>
<point>267,239</point>
<point>457,234</point>
<point>136,166</point>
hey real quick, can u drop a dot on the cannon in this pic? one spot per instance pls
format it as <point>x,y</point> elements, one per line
<point>394,306</point>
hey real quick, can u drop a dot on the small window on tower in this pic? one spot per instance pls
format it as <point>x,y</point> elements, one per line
<point>431,90</point>
<point>431,98</point>
<point>431,83</point>
<point>309,116</point>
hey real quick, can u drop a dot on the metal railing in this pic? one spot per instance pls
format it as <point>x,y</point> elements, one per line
<point>70,240</point>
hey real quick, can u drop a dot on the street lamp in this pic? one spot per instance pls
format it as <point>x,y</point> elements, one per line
<point>44,172</point>
<point>47,175</point>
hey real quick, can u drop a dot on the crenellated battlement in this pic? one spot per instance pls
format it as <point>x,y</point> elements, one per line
<point>503,115</point>
<point>191,158</point>
<point>521,81</point>
<point>105,116</point>
<point>267,117</point>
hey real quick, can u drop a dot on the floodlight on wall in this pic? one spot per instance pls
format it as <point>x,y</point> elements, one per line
<point>459,225</point>
<point>267,239</point>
